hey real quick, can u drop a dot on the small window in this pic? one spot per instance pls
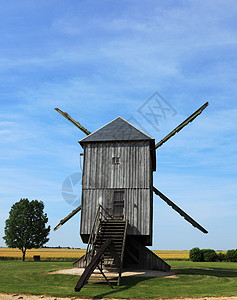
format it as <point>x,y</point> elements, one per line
<point>115,160</point>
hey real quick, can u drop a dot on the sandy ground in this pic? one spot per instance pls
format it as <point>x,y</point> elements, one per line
<point>143,273</point>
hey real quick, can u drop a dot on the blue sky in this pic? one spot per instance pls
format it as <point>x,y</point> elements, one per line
<point>100,59</point>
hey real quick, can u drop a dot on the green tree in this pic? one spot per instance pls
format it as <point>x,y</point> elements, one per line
<point>26,226</point>
<point>232,255</point>
<point>221,256</point>
<point>195,254</point>
<point>209,255</point>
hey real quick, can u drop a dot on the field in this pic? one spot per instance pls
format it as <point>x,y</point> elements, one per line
<point>193,280</point>
<point>47,254</point>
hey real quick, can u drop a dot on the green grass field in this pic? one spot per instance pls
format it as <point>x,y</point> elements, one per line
<point>194,279</point>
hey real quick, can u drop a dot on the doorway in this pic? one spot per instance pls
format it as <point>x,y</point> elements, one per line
<point>118,204</point>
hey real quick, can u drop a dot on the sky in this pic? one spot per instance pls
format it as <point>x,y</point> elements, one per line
<point>151,62</point>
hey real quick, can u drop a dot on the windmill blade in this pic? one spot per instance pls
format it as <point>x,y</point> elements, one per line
<point>179,210</point>
<point>77,124</point>
<point>68,217</point>
<point>182,125</point>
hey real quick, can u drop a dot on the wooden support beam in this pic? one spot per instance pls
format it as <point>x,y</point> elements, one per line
<point>101,271</point>
<point>92,265</point>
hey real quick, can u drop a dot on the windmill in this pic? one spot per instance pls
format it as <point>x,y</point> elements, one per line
<point>117,197</point>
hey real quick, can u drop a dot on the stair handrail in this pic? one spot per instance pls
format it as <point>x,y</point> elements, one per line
<point>122,252</point>
<point>92,236</point>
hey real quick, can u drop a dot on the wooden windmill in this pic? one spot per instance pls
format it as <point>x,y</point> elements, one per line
<point>117,197</point>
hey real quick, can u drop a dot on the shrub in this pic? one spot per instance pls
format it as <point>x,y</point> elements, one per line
<point>231,255</point>
<point>195,254</point>
<point>209,255</point>
<point>221,256</point>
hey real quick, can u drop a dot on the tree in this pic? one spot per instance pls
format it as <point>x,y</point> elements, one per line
<point>26,226</point>
<point>195,254</point>
<point>209,255</point>
<point>232,255</point>
<point>221,256</point>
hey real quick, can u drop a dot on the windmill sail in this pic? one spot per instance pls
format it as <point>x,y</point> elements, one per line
<point>179,210</point>
<point>77,124</point>
<point>68,217</point>
<point>182,125</point>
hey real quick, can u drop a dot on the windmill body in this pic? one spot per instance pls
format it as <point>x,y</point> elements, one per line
<point>118,166</point>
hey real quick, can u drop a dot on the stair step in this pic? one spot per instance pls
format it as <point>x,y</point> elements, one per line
<point>113,233</point>
<point>116,246</point>
<point>104,238</point>
<point>112,224</point>
<point>118,243</point>
<point>113,221</point>
<point>112,227</point>
<point>112,230</point>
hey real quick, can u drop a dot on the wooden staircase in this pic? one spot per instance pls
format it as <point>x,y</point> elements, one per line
<point>107,250</point>
<point>115,230</point>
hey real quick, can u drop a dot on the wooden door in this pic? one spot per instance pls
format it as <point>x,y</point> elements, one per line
<point>118,204</point>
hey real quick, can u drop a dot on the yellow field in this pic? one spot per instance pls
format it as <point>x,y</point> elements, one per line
<point>51,253</point>
<point>76,253</point>
<point>172,254</point>
<point>43,252</point>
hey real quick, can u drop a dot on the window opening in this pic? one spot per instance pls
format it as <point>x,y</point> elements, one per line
<point>115,160</point>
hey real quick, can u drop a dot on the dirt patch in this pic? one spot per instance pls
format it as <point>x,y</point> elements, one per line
<point>138,273</point>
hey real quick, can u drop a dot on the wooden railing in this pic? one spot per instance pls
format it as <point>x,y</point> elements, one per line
<point>122,252</point>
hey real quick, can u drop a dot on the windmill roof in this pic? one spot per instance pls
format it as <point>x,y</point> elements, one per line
<point>117,130</point>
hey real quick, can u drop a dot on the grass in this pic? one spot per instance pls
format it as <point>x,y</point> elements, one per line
<point>194,279</point>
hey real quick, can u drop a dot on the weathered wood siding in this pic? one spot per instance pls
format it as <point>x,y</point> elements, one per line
<point>133,170</point>
<point>133,175</point>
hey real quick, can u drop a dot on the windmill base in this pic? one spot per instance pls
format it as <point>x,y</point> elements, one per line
<point>137,257</point>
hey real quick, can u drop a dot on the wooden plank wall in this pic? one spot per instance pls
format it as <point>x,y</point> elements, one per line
<point>133,175</point>
<point>132,172</point>
<point>136,209</point>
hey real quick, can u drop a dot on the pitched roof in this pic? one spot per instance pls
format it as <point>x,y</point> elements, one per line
<point>117,130</point>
